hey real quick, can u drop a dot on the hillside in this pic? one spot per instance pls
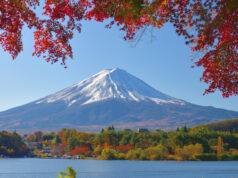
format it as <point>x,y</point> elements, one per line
<point>226,125</point>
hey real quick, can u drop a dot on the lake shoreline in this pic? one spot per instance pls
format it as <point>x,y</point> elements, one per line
<point>120,160</point>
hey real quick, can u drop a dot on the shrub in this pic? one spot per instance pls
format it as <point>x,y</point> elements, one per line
<point>121,156</point>
<point>207,157</point>
<point>189,152</point>
<point>109,154</point>
<point>224,157</point>
<point>157,153</point>
<point>136,154</point>
<point>68,173</point>
<point>143,157</point>
<point>234,157</point>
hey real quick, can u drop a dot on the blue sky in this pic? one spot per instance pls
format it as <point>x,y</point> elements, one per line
<point>163,63</point>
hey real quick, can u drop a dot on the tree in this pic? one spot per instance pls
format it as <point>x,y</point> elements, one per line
<point>56,140</point>
<point>184,129</point>
<point>49,136</point>
<point>136,154</point>
<point>12,145</point>
<point>125,148</point>
<point>80,150</point>
<point>209,27</point>
<point>189,152</point>
<point>157,153</point>
<point>109,154</point>
<point>51,34</point>
<point>68,173</point>
<point>72,143</point>
<point>111,128</point>
<point>219,146</point>
<point>35,137</point>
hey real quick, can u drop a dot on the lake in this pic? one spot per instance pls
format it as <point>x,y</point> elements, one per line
<point>49,168</point>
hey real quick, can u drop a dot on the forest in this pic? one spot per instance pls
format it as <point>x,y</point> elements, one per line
<point>197,143</point>
<point>200,143</point>
<point>12,145</point>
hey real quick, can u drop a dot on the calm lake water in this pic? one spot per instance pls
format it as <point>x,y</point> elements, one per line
<point>48,168</point>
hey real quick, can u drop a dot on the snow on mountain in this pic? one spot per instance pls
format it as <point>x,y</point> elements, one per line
<point>110,97</point>
<point>110,84</point>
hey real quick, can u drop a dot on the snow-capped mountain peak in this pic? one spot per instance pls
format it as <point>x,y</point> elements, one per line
<point>110,84</point>
<point>110,97</point>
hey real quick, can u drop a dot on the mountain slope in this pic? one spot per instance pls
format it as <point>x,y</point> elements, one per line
<point>109,97</point>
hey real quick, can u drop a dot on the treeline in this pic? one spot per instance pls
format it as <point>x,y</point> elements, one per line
<point>199,143</point>
<point>12,145</point>
<point>226,125</point>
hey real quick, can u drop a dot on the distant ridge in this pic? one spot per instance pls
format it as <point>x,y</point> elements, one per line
<point>109,97</point>
<point>227,125</point>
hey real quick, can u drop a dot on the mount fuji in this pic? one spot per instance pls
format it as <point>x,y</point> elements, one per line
<point>109,97</point>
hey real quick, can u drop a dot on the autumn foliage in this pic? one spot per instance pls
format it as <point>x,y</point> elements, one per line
<point>198,143</point>
<point>51,33</point>
<point>125,148</point>
<point>80,150</point>
<point>12,145</point>
<point>209,27</point>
